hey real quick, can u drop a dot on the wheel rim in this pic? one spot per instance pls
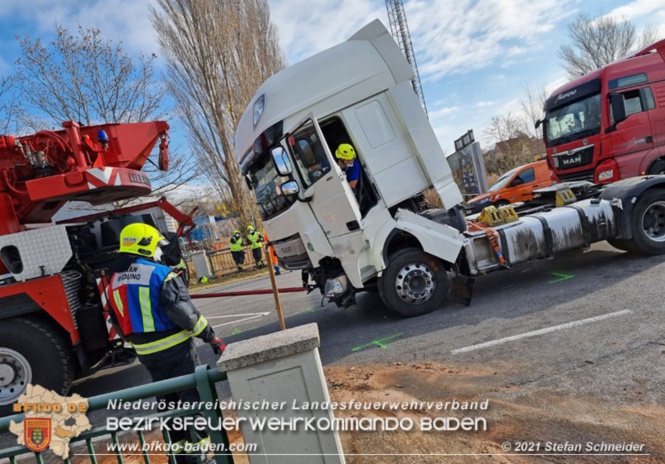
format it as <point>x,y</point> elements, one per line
<point>15,375</point>
<point>653,221</point>
<point>415,283</point>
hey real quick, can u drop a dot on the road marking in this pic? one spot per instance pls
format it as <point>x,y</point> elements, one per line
<point>238,315</point>
<point>241,320</point>
<point>540,332</point>
<point>380,343</point>
<point>561,277</point>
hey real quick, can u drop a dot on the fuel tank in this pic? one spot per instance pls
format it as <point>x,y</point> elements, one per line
<point>541,235</point>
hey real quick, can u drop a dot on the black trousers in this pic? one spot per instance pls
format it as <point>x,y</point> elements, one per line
<point>238,257</point>
<point>174,362</point>
<point>258,254</point>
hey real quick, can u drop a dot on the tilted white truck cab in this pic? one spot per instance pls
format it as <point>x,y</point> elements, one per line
<point>378,239</point>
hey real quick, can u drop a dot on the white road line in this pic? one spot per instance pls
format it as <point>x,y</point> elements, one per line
<point>241,320</point>
<point>540,332</point>
<point>238,315</point>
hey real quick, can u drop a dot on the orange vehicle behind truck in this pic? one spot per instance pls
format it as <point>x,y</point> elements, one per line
<point>514,186</point>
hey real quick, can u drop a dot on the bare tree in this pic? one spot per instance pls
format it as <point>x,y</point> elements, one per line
<point>599,41</point>
<point>218,53</point>
<point>514,145</point>
<point>649,35</point>
<point>88,79</point>
<point>532,107</point>
<point>91,80</point>
<point>8,106</point>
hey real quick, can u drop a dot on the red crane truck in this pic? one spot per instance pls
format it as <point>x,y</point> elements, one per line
<point>609,124</point>
<point>53,324</point>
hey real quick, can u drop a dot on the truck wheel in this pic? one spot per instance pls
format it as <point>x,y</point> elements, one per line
<point>657,168</point>
<point>648,224</point>
<point>414,283</point>
<point>31,353</point>
<point>500,203</point>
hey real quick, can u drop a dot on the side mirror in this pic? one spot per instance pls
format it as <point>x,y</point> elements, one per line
<point>515,182</point>
<point>538,123</point>
<point>290,188</point>
<point>618,107</point>
<point>281,160</point>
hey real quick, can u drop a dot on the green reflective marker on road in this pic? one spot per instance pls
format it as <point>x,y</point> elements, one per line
<point>380,343</point>
<point>237,331</point>
<point>561,277</point>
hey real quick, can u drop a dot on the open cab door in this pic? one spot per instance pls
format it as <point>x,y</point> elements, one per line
<point>323,183</point>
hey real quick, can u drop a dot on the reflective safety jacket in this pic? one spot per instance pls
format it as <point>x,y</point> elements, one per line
<point>235,243</point>
<point>152,307</point>
<point>255,239</point>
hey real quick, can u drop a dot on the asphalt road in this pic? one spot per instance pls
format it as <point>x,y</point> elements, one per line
<point>621,296</point>
<point>584,324</point>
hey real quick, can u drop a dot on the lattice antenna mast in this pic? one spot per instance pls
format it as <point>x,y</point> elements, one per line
<point>400,32</point>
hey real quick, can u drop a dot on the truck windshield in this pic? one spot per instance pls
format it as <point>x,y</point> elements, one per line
<point>266,182</point>
<point>573,121</point>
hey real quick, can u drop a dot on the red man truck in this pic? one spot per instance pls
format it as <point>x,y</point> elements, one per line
<point>609,124</point>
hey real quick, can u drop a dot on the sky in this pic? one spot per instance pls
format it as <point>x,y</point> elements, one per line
<point>475,57</point>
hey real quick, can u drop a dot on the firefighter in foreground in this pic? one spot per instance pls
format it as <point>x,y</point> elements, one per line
<point>152,307</point>
<point>256,241</point>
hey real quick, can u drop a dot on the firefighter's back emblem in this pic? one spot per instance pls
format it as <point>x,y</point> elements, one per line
<point>37,433</point>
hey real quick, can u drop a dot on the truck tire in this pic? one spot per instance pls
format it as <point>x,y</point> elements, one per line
<point>501,203</point>
<point>648,224</point>
<point>658,167</point>
<point>414,283</point>
<point>31,352</point>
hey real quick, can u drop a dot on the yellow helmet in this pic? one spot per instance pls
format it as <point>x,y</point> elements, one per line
<point>141,239</point>
<point>250,229</point>
<point>345,152</point>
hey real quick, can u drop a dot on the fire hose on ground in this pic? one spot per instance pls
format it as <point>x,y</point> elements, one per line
<point>275,291</point>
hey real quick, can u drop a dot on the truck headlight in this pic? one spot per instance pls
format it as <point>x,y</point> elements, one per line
<point>606,175</point>
<point>336,287</point>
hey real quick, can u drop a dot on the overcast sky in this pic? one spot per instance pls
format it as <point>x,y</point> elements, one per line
<point>474,56</point>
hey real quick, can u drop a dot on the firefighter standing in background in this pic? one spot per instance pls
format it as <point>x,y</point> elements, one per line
<point>256,241</point>
<point>153,311</point>
<point>273,257</point>
<point>236,249</point>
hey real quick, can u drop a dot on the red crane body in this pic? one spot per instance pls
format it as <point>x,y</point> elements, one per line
<point>53,320</point>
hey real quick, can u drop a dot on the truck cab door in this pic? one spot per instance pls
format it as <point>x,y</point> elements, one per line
<point>632,138</point>
<point>323,183</point>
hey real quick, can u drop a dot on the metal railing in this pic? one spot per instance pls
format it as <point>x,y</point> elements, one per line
<point>203,379</point>
<point>221,261</point>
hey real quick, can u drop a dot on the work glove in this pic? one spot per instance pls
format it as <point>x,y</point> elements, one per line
<point>218,346</point>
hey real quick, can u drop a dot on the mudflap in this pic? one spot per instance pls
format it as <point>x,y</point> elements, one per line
<point>461,289</point>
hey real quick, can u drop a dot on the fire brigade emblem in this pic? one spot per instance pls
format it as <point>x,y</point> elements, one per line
<point>37,433</point>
